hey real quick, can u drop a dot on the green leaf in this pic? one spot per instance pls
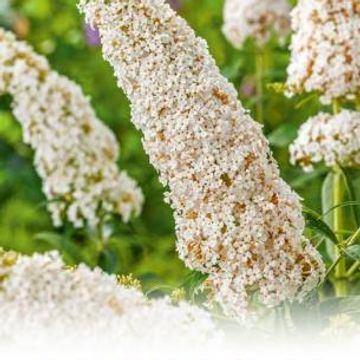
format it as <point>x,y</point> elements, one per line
<point>108,261</point>
<point>353,252</point>
<point>342,205</point>
<point>304,101</point>
<point>49,238</point>
<point>301,178</point>
<point>9,129</point>
<point>71,251</point>
<point>194,280</point>
<point>283,135</point>
<point>232,70</point>
<point>315,223</point>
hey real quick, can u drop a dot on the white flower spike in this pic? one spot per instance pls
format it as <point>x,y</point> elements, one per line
<point>325,49</point>
<point>75,153</point>
<point>235,217</point>
<point>41,298</point>
<point>332,139</point>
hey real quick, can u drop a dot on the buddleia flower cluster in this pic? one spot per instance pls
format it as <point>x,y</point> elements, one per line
<point>235,217</point>
<point>42,298</point>
<point>325,59</point>
<point>325,49</point>
<point>258,19</point>
<point>327,138</point>
<point>75,153</point>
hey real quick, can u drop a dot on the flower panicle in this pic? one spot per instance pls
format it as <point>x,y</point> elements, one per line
<point>325,49</point>
<point>236,219</point>
<point>329,139</point>
<point>75,153</point>
<point>41,297</point>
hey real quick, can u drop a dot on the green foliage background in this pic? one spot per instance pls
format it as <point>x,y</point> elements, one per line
<point>146,246</point>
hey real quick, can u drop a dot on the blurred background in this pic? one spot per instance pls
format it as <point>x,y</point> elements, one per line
<point>145,246</point>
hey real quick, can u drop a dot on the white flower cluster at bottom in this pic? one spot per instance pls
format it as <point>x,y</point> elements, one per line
<point>40,297</point>
<point>332,139</point>
<point>51,311</point>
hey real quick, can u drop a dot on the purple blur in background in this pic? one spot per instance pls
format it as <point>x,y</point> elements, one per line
<point>92,36</point>
<point>175,4</point>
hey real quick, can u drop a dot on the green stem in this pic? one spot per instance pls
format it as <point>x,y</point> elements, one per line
<point>340,267</point>
<point>100,234</point>
<point>332,267</point>
<point>356,264</point>
<point>259,64</point>
<point>350,241</point>
<point>357,102</point>
<point>353,238</point>
<point>336,106</point>
<point>353,268</point>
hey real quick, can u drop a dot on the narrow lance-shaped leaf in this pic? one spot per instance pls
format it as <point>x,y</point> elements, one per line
<point>314,222</point>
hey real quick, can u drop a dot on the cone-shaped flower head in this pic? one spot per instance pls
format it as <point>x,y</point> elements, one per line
<point>41,297</point>
<point>258,19</point>
<point>327,138</point>
<point>235,218</point>
<point>325,48</point>
<point>75,153</point>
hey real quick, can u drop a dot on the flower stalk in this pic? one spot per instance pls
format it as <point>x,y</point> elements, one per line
<point>353,269</point>
<point>340,269</point>
<point>338,199</point>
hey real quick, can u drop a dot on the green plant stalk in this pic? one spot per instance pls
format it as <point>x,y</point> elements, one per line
<point>336,106</point>
<point>340,268</point>
<point>350,241</point>
<point>338,197</point>
<point>357,102</point>
<point>353,268</point>
<point>259,74</point>
<point>356,264</point>
<point>101,239</point>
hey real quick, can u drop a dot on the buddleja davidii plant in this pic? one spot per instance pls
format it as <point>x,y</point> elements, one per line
<point>325,64</point>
